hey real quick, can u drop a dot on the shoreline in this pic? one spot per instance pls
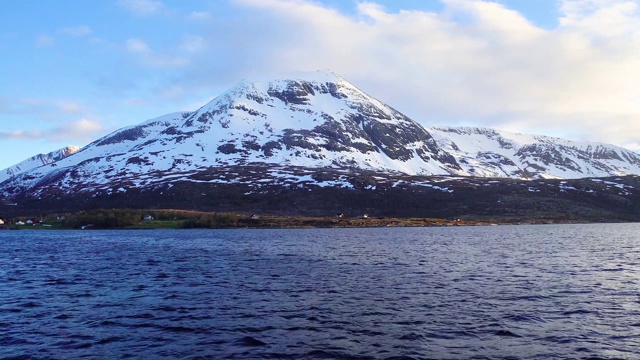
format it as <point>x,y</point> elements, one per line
<point>198,220</point>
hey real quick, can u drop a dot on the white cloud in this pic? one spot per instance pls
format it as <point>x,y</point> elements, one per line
<point>606,18</point>
<point>81,130</point>
<point>38,108</point>
<point>495,20</point>
<point>48,120</point>
<point>77,31</point>
<point>70,107</point>
<point>135,102</point>
<point>137,46</point>
<point>172,92</point>
<point>142,7</point>
<point>163,59</point>
<point>200,16</point>
<point>45,40</point>
<point>476,62</point>
<point>193,44</point>
<point>21,134</point>
<point>169,61</point>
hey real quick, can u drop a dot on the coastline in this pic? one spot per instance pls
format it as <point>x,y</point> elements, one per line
<point>177,219</point>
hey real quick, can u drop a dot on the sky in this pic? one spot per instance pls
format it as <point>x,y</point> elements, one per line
<point>75,70</point>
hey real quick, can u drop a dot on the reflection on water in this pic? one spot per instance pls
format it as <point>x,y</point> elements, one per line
<point>507,292</point>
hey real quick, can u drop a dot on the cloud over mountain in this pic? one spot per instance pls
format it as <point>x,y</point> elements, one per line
<point>476,62</point>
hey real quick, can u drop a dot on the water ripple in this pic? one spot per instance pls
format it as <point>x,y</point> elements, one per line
<point>526,292</point>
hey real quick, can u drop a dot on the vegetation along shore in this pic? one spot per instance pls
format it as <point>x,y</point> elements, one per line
<point>181,219</point>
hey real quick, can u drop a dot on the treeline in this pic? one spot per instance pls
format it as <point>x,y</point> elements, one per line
<point>214,220</point>
<point>125,218</point>
<point>102,219</point>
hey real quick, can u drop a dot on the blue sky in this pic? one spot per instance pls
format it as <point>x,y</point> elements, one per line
<point>75,70</point>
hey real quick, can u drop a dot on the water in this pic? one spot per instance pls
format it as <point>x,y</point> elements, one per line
<point>504,292</point>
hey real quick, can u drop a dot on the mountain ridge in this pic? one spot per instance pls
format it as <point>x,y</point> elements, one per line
<point>572,159</point>
<point>312,131</point>
<point>37,161</point>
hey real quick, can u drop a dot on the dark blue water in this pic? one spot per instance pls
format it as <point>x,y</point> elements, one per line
<point>503,292</point>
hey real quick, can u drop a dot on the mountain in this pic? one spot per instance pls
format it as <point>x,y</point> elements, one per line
<point>312,120</point>
<point>494,153</point>
<point>37,161</point>
<point>309,133</point>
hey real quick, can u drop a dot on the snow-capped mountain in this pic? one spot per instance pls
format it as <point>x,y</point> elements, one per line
<point>310,120</point>
<point>37,161</point>
<point>494,153</point>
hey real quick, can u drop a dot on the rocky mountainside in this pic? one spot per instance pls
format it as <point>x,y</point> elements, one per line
<point>305,131</point>
<point>37,161</point>
<point>314,120</point>
<point>494,153</point>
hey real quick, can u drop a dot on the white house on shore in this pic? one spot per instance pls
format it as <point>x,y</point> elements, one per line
<point>1,222</point>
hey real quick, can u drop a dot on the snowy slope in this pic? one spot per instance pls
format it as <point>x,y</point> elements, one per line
<point>37,161</point>
<point>494,153</point>
<point>313,120</point>
<point>309,120</point>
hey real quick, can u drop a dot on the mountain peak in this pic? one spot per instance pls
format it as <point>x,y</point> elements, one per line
<point>300,82</point>
<point>317,76</point>
<point>319,118</point>
<point>37,161</point>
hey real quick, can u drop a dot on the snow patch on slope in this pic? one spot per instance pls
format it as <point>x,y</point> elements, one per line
<point>37,161</point>
<point>496,153</point>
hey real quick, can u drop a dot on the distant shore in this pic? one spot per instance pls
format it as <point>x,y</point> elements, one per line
<point>180,219</point>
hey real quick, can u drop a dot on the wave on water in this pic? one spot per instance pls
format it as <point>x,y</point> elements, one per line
<point>397,294</point>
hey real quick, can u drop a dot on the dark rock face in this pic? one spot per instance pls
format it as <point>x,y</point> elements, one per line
<point>138,161</point>
<point>269,147</point>
<point>606,154</point>
<point>548,155</point>
<point>298,92</point>
<point>556,155</point>
<point>374,131</point>
<point>229,148</point>
<point>366,128</point>
<point>502,162</point>
<point>124,135</point>
<point>533,156</point>
<point>295,93</point>
<point>339,134</point>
